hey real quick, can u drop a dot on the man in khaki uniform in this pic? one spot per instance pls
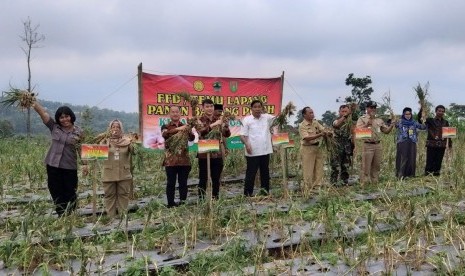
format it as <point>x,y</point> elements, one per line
<point>311,131</point>
<point>372,152</point>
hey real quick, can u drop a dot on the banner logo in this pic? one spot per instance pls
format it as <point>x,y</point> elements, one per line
<point>198,85</point>
<point>233,86</point>
<point>217,86</point>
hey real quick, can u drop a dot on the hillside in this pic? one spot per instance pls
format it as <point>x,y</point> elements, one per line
<point>15,120</point>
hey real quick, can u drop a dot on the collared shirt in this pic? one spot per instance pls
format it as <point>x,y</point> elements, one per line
<point>307,128</point>
<point>63,152</point>
<point>180,158</point>
<point>434,139</point>
<point>258,132</point>
<point>374,124</point>
<point>205,129</point>
<point>118,165</point>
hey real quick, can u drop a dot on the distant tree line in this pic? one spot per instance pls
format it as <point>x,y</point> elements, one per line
<point>13,121</point>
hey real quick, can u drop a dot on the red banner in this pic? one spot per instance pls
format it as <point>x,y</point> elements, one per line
<point>159,92</point>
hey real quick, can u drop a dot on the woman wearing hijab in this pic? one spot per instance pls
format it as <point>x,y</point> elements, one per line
<point>117,177</point>
<point>61,159</point>
<point>407,139</point>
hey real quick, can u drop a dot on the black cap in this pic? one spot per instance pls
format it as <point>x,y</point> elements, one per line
<point>218,107</point>
<point>371,104</point>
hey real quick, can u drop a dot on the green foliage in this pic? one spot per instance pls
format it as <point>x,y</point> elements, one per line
<point>328,118</point>
<point>457,110</point>
<point>6,128</point>
<point>361,89</point>
<point>456,116</point>
<point>299,118</point>
<point>234,257</point>
<point>138,267</point>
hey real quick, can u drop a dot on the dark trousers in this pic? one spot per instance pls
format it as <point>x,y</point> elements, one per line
<point>254,163</point>
<point>340,160</point>
<point>181,173</point>
<point>434,156</point>
<point>216,167</point>
<point>406,157</point>
<point>62,184</point>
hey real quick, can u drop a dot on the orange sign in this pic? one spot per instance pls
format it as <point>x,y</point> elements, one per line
<point>208,146</point>
<point>92,152</point>
<point>279,139</point>
<point>449,132</point>
<point>362,133</point>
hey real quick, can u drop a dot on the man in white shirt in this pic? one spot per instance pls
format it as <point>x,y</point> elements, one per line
<point>256,136</point>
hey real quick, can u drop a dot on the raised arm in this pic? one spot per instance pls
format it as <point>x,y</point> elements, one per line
<point>386,129</point>
<point>41,111</point>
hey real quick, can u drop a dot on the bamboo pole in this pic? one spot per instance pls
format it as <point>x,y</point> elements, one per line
<point>140,91</point>
<point>209,197</point>
<point>284,168</point>
<point>209,181</point>
<point>94,191</point>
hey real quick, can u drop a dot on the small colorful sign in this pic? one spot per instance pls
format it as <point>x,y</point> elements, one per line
<point>291,144</point>
<point>208,146</point>
<point>279,139</point>
<point>449,132</point>
<point>93,151</point>
<point>363,133</point>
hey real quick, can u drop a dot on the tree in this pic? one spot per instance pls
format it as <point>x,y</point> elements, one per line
<point>361,89</point>
<point>299,118</point>
<point>86,122</point>
<point>32,39</point>
<point>6,128</point>
<point>456,116</point>
<point>457,109</point>
<point>328,117</point>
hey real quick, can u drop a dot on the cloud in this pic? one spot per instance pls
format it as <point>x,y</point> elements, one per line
<point>92,49</point>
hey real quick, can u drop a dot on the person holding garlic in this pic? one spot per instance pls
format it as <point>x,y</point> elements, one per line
<point>116,175</point>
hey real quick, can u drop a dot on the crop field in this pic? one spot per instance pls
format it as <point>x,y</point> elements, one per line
<point>409,227</point>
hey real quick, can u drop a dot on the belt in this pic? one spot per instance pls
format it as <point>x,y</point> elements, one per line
<point>373,143</point>
<point>316,144</point>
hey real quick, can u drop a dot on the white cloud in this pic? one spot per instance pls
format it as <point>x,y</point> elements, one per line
<point>93,48</point>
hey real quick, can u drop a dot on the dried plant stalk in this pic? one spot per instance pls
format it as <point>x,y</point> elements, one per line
<point>329,142</point>
<point>134,137</point>
<point>100,137</point>
<point>422,95</point>
<point>23,99</point>
<point>281,119</point>
<point>178,142</point>
<point>193,101</point>
<point>215,132</point>
<point>387,102</point>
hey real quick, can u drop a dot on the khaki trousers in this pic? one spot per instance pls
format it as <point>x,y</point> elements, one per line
<point>312,167</point>
<point>372,156</point>
<point>117,196</point>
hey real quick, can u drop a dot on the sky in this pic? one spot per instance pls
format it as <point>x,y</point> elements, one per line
<point>92,48</point>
